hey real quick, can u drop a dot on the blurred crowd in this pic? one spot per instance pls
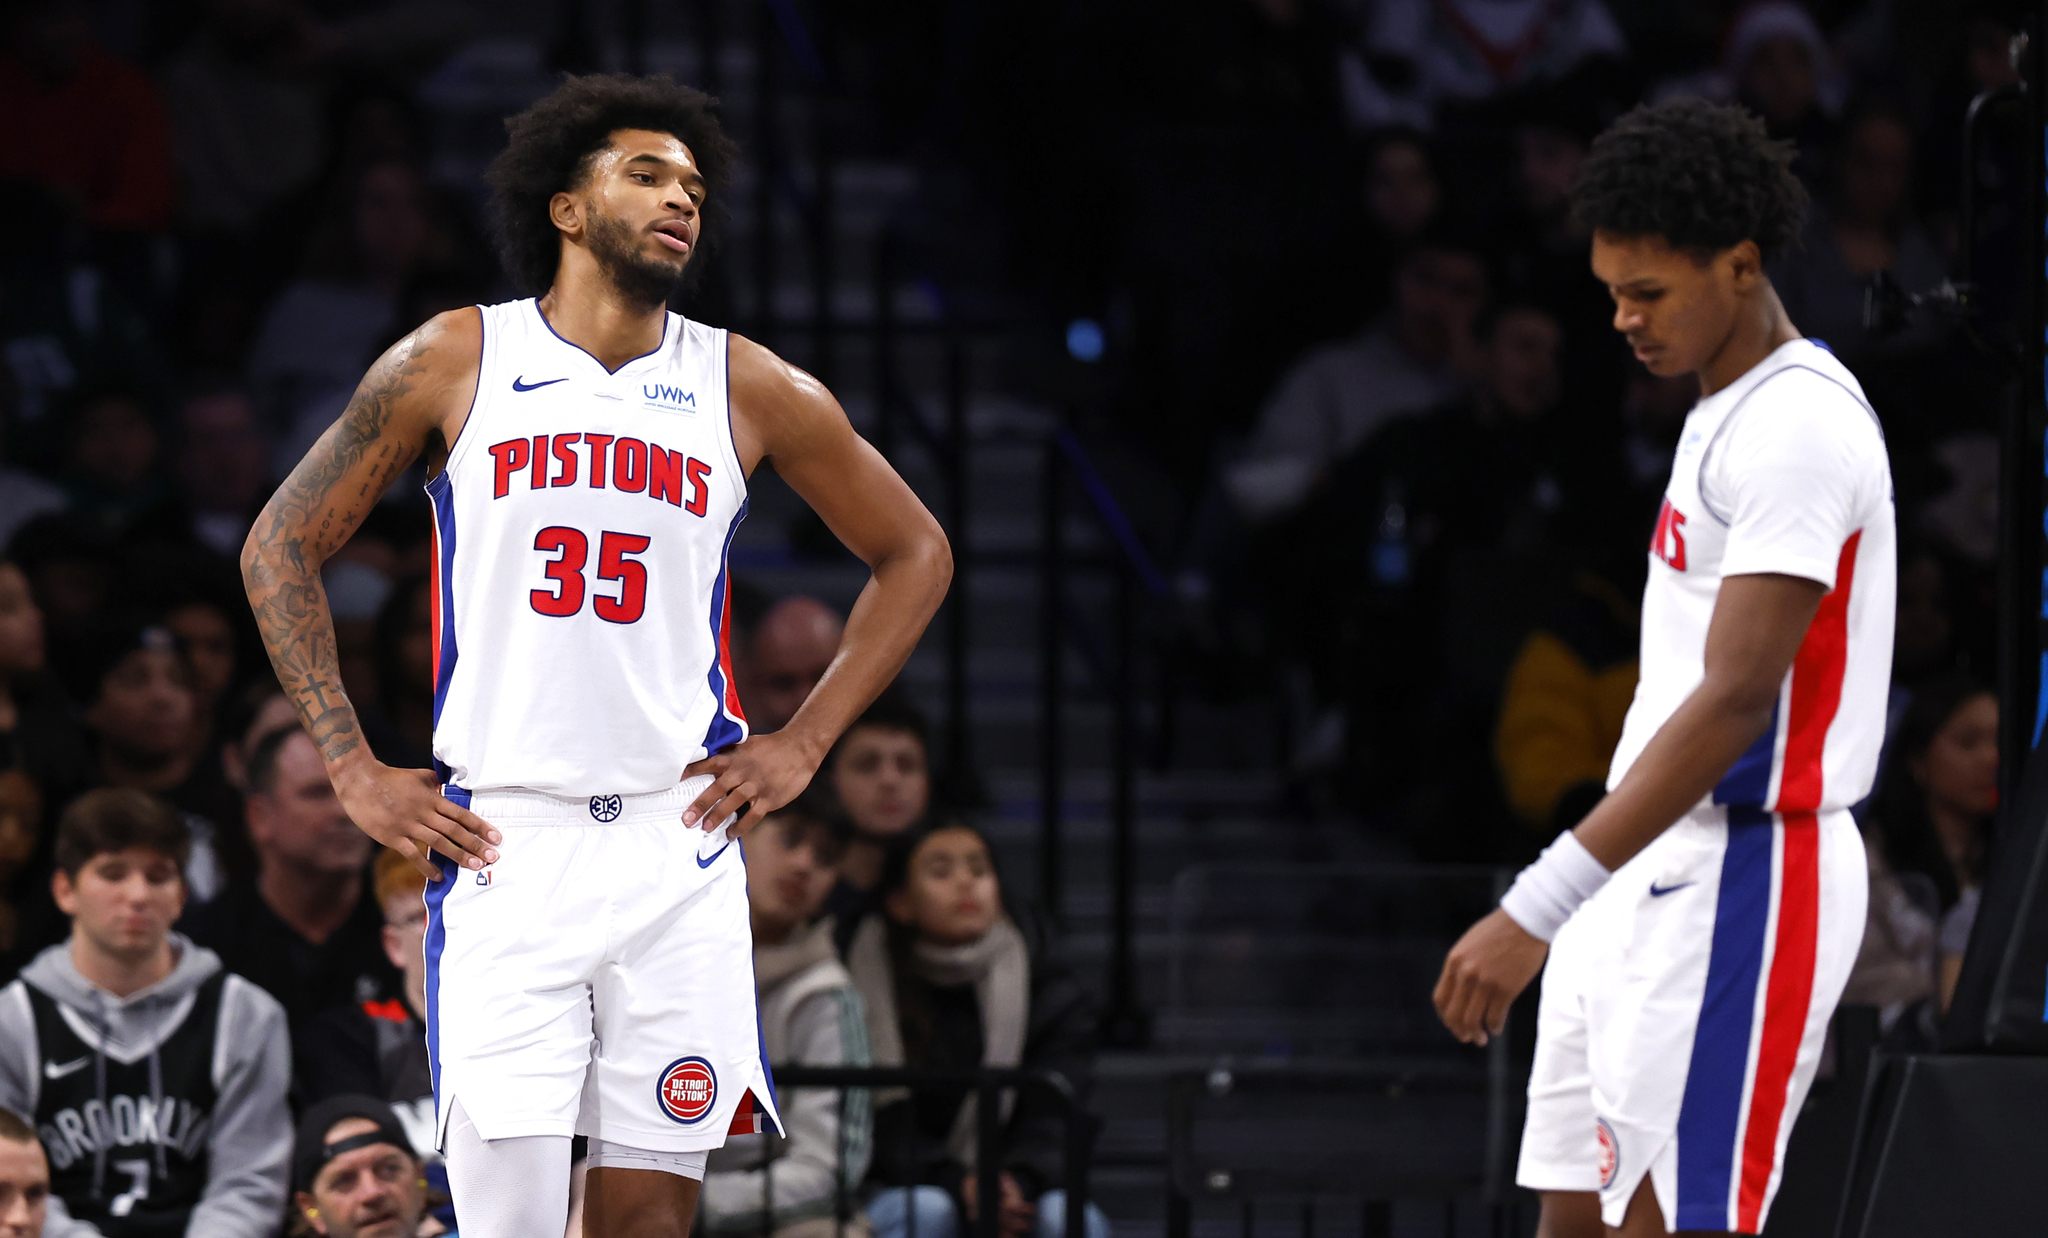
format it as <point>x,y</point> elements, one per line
<point>1417,472</point>
<point>1422,512</point>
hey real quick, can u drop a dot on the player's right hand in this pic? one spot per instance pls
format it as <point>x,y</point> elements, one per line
<point>405,810</point>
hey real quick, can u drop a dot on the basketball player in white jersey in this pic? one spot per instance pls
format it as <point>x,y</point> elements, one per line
<point>1701,921</point>
<point>588,957</point>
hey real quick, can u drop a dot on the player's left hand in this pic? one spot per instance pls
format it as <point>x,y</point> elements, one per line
<point>1484,973</point>
<point>752,778</point>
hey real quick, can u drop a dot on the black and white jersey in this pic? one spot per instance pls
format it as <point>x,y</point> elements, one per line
<point>127,1135</point>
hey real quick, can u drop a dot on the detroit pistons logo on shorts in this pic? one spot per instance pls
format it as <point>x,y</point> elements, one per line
<point>1610,1153</point>
<point>606,807</point>
<point>687,1090</point>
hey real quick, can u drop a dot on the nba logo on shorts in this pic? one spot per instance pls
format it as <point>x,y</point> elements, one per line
<point>605,807</point>
<point>687,1090</point>
<point>1610,1153</point>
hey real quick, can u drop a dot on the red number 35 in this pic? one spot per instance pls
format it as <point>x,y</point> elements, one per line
<point>572,550</point>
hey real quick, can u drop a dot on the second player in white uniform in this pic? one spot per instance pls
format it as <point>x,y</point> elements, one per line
<point>1685,1003</point>
<point>1700,923</point>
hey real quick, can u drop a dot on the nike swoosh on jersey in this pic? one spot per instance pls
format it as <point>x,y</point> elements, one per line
<point>53,1070</point>
<point>702,862</point>
<point>1657,891</point>
<point>519,384</point>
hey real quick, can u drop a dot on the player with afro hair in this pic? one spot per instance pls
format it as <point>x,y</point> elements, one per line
<point>554,142</point>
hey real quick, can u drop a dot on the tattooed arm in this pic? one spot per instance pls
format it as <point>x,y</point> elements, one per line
<point>415,395</point>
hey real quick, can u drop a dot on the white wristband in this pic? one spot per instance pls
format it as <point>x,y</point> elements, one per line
<point>1546,893</point>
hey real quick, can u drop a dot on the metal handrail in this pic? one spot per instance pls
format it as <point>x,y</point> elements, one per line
<point>988,1082</point>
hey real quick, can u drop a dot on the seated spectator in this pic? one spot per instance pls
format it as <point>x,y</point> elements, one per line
<point>1562,707</point>
<point>951,982</point>
<point>784,658</point>
<point>113,468</point>
<point>322,330</point>
<point>810,1016</point>
<point>39,733</point>
<point>21,812</point>
<point>141,711</point>
<point>259,710</point>
<point>305,926</point>
<point>355,1174</point>
<point>1865,226</point>
<point>83,121</point>
<point>1929,828</point>
<point>1329,403</point>
<point>1417,56</point>
<point>379,1047</point>
<point>1402,195</point>
<point>24,1179</point>
<point>223,466</point>
<point>202,1050</point>
<point>880,772</point>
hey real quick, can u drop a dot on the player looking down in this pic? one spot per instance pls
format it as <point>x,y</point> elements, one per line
<point>1701,921</point>
<point>589,964</point>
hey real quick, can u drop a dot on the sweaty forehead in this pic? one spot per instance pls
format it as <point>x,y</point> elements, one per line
<point>647,146</point>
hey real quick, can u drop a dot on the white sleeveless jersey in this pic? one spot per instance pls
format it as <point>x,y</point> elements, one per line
<point>581,530</point>
<point>1782,471</point>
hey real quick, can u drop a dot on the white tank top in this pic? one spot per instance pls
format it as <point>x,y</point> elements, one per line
<point>581,530</point>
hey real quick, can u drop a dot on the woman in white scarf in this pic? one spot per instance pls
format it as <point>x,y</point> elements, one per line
<point>950,981</point>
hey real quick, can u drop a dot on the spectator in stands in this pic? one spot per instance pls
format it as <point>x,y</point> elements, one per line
<point>1934,812</point>
<point>1402,195</point>
<point>1418,357</point>
<point>24,1179</point>
<point>379,1047</point>
<point>71,569</point>
<point>21,811</point>
<point>810,1016</point>
<point>784,657</point>
<point>223,466</point>
<point>323,328</point>
<point>40,737</point>
<point>951,982</point>
<point>1866,226</point>
<point>201,1050</point>
<point>1563,704</point>
<point>23,495</point>
<point>1782,69</point>
<point>113,478</point>
<point>144,716</point>
<point>880,772</point>
<point>398,719</point>
<point>1416,55</point>
<point>355,1174</point>
<point>305,926</point>
<point>82,121</point>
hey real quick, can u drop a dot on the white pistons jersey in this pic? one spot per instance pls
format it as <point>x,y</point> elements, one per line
<point>581,529</point>
<point>1782,471</point>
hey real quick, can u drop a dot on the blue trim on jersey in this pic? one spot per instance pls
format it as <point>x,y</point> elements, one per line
<point>724,731</point>
<point>1712,1107</point>
<point>593,356</point>
<point>761,1038</point>
<point>436,942</point>
<point>441,495</point>
<point>1748,782</point>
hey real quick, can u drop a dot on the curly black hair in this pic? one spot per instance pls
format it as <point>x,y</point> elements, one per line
<point>550,150</point>
<point>1704,176</point>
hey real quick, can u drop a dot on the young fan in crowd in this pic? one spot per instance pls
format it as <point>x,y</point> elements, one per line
<point>950,981</point>
<point>810,1016</point>
<point>155,1079</point>
<point>880,772</point>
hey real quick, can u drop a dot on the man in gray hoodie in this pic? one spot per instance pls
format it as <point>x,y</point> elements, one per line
<point>793,1185</point>
<point>155,1080</point>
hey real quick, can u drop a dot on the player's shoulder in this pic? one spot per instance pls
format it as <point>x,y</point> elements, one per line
<point>762,380</point>
<point>1804,395</point>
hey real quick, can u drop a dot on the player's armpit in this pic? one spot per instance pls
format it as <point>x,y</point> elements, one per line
<point>1758,624</point>
<point>787,417</point>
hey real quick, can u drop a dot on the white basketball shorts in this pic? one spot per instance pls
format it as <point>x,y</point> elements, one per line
<point>1683,1011</point>
<point>599,978</point>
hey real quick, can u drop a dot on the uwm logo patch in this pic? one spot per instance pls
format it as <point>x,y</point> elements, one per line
<point>687,1090</point>
<point>1668,541</point>
<point>669,397</point>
